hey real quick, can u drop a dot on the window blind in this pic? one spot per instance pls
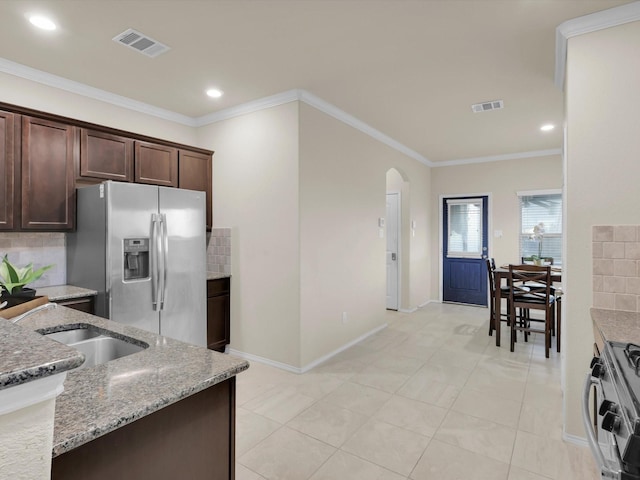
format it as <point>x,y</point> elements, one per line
<point>543,209</point>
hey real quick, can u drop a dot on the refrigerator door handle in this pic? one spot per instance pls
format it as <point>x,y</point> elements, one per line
<point>165,259</point>
<point>155,260</point>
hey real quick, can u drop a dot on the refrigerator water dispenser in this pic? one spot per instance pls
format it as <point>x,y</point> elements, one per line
<point>136,258</point>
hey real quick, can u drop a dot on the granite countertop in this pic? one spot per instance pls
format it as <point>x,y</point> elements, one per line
<point>100,399</point>
<point>26,356</point>
<point>616,326</point>
<point>65,292</point>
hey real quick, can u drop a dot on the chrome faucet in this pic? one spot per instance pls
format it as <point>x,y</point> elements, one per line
<point>34,310</point>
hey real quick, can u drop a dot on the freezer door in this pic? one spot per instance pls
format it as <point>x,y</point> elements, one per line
<point>130,209</point>
<point>184,312</point>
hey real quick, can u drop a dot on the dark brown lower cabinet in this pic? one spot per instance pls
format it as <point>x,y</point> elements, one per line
<point>84,304</point>
<point>193,438</point>
<point>218,313</point>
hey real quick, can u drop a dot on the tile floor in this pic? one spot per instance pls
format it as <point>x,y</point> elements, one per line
<point>430,397</point>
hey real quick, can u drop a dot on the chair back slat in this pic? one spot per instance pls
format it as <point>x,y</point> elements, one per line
<point>529,283</point>
<point>492,280</point>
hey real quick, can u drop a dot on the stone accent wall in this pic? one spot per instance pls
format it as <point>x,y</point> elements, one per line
<point>219,251</point>
<point>616,267</point>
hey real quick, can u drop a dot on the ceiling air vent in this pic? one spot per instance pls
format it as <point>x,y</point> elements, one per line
<point>486,106</point>
<point>141,43</point>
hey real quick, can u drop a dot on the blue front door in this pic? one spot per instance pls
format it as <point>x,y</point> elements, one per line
<point>465,250</point>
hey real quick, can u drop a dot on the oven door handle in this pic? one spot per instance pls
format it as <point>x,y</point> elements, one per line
<point>591,436</point>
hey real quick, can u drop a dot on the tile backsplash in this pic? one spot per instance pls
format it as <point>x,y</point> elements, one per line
<point>219,250</point>
<point>616,267</point>
<point>40,249</point>
<point>49,248</point>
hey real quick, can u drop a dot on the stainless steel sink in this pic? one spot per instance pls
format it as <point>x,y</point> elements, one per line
<point>97,345</point>
<point>102,349</point>
<point>73,336</point>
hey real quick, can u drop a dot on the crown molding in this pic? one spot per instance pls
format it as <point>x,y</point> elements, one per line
<point>288,96</point>
<point>248,107</point>
<point>587,24</point>
<point>499,158</point>
<point>310,99</point>
<point>352,121</point>
<point>19,70</point>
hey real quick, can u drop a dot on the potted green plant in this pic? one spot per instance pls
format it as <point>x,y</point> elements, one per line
<point>13,279</point>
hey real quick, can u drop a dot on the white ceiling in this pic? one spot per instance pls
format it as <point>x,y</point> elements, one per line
<point>410,69</point>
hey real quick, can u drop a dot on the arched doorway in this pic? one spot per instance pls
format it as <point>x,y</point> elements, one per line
<point>397,248</point>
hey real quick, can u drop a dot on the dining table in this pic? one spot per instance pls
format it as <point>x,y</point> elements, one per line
<point>501,273</point>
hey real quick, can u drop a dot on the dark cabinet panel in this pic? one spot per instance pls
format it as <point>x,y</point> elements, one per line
<point>83,304</point>
<point>156,164</point>
<point>195,174</point>
<point>190,439</point>
<point>7,168</point>
<point>106,156</point>
<point>218,313</point>
<point>48,182</point>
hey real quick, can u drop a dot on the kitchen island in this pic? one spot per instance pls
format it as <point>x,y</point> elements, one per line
<point>167,411</point>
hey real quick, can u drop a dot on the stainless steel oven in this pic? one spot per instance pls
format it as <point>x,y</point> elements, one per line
<point>614,431</point>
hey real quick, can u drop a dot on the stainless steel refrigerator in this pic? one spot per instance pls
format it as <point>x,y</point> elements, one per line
<point>143,248</point>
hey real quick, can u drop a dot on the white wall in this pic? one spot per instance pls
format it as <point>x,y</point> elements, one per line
<point>343,176</point>
<point>30,94</point>
<point>603,148</point>
<point>255,193</point>
<point>501,180</point>
<point>302,193</point>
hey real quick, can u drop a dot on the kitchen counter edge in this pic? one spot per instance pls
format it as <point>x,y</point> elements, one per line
<point>103,398</point>
<point>617,326</point>
<point>26,356</point>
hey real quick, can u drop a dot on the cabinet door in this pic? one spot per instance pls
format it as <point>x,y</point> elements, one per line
<point>83,304</point>
<point>6,169</point>
<point>48,187</point>
<point>106,156</point>
<point>156,164</point>
<point>218,313</point>
<point>195,174</point>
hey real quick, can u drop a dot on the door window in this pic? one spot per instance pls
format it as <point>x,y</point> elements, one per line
<point>464,228</point>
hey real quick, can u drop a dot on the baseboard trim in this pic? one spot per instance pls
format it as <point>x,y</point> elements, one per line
<point>264,361</point>
<point>408,310</point>
<point>575,440</point>
<point>309,366</point>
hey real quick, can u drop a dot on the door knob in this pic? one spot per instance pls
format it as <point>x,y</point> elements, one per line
<point>393,257</point>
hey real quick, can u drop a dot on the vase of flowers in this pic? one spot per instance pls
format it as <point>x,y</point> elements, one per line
<point>537,234</point>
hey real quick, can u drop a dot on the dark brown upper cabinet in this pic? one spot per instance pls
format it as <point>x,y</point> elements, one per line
<point>7,166</point>
<point>48,182</point>
<point>156,164</point>
<point>195,174</point>
<point>43,156</point>
<point>105,156</point>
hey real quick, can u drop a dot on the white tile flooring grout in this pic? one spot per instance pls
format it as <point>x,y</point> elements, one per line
<point>430,397</point>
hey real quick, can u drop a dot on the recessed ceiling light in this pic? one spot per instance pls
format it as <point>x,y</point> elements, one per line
<point>547,128</point>
<point>42,22</point>
<point>214,93</point>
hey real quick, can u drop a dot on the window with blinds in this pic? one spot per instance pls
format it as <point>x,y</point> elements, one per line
<point>541,226</point>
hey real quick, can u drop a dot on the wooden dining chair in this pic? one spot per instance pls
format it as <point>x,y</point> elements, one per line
<point>530,289</point>
<point>493,308</point>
